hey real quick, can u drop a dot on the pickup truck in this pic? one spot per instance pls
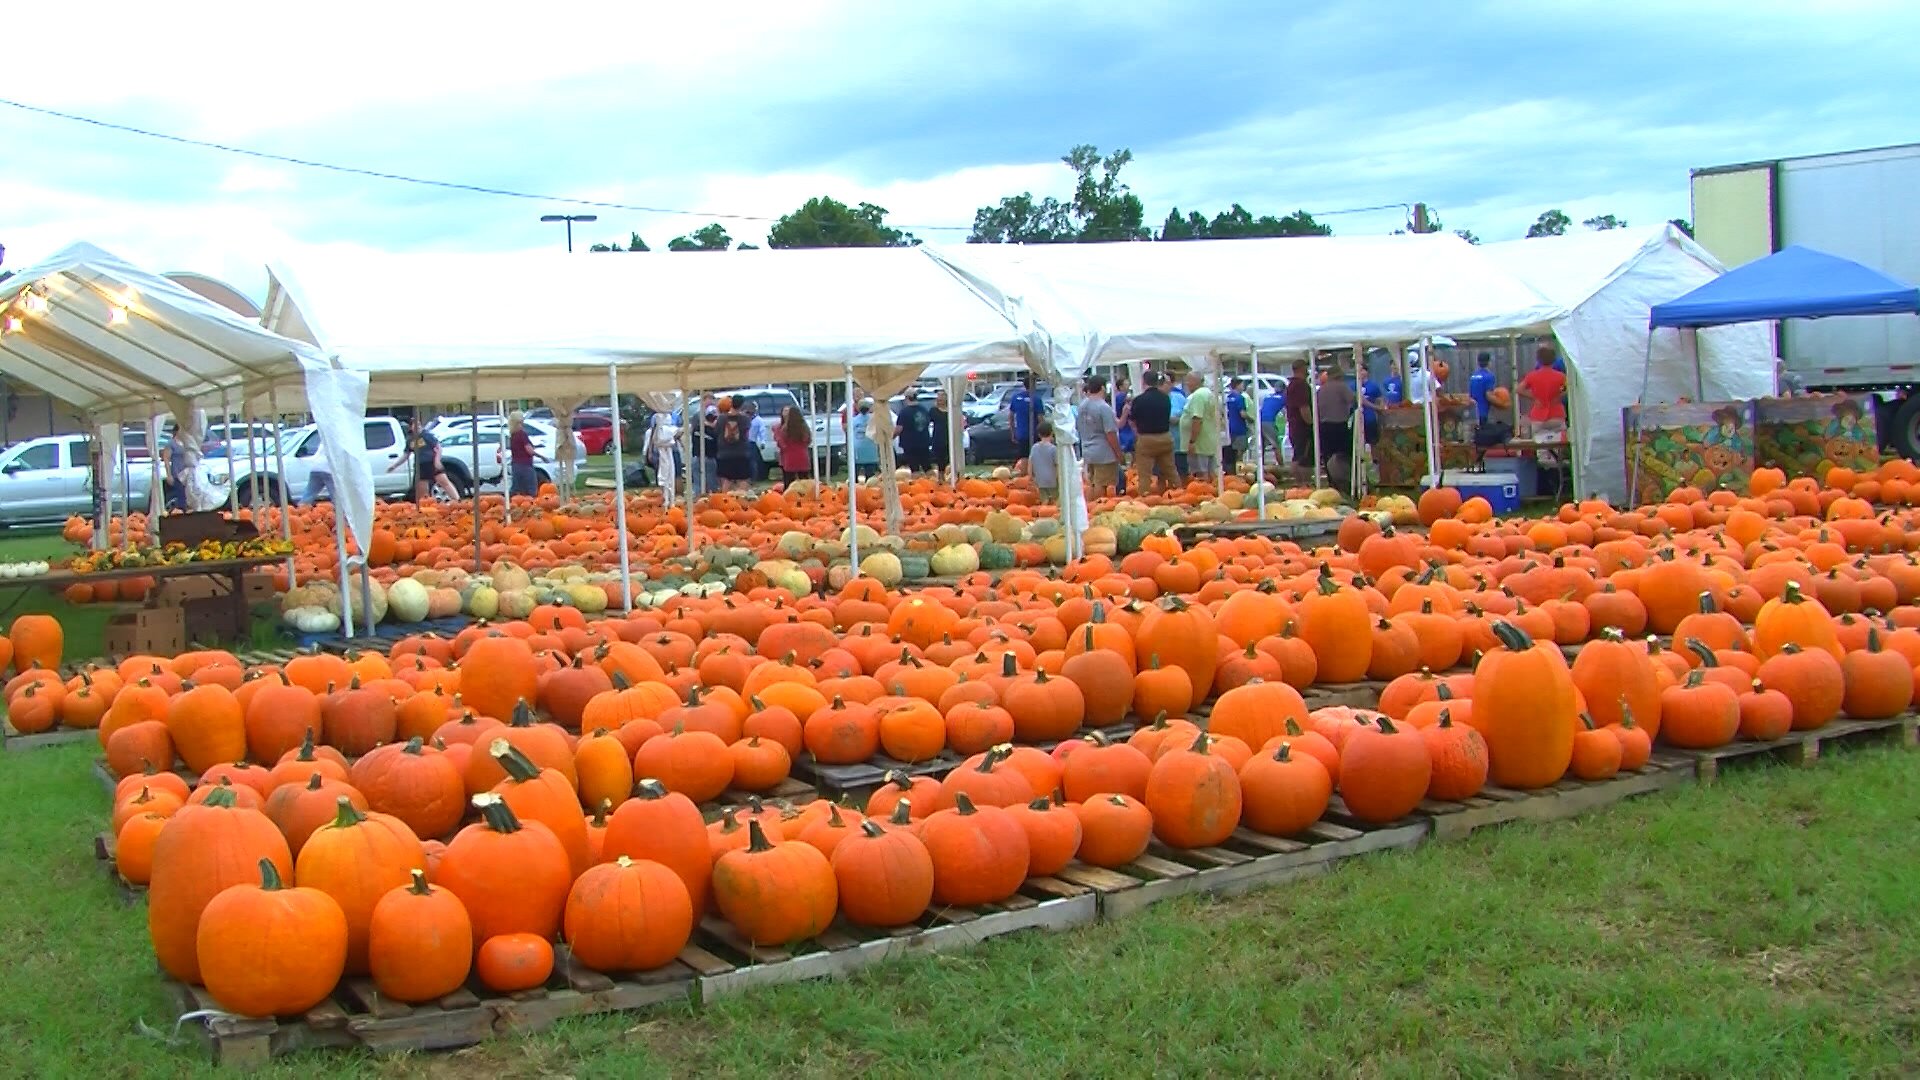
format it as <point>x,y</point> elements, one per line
<point>51,479</point>
<point>300,453</point>
<point>457,455</point>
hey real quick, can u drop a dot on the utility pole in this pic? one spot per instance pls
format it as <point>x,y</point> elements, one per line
<point>570,219</point>
<point>1420,218</point>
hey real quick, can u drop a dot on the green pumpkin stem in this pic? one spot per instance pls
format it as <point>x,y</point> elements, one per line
<point>346,815</point>
<point>415,746</point>
<point>1285,752</point>
<point>757,838</point>
<point>1512,638</point>
<point>1703,651</point>
<point>517,764</point>
<point>963,804</point>
<point>522,714</point>
<point>306,746</point>
<point>222,796</point>
<point>419,886</point>
<point>269,876</point>
<point>496,813</point>
<point>870,828</point>
<point>902,813</point>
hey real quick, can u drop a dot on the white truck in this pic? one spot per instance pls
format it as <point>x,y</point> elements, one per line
<point>1860,205</point>
<point>300,453</point>
<point>51,479</point>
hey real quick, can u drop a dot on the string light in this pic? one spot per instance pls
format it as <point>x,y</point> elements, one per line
<point>116,315</point>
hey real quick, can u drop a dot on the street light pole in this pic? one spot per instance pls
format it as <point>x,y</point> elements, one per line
<point>569,219</point>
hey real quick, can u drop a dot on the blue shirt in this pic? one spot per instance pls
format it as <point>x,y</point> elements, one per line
<point>1236,414</point>
<point>1178,396</point>
<point>1126,427</point>
<point>1369,393</point>
<point>1479,385</point>
<point>1270,408</point>
<point>1021,407</point>
<point>1390,389</point>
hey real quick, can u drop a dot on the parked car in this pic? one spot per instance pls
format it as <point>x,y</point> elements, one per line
<point>50,479</point>
<point>990,441</point>
<point>300,453</point>
<point>259,437</point>
<point>456,455</point>
<point>596,430</point>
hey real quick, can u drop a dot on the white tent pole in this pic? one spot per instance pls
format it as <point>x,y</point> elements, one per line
<point>1513,378</point>
<point>473,462</point>
<point>687,417</point>
<point>366,592</point>
<point>620,494</point>
<point>1313,385</point>
<point>226,422</point>
<point>280,483</point>
<point>853,484</point>
<point>253,456</point>
<point>346,573</point>
<point>956,429</point>
<point>1426,408</point>
<point>156,495</point>
<point>1699,376</point>
<point>1219,381</point>
<point>813,452</point>
<point>1259,443</point>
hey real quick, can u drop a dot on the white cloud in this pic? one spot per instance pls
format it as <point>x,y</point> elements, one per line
<point>248,178</point>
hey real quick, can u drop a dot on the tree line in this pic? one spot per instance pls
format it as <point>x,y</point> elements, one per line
<point>1102,209</point>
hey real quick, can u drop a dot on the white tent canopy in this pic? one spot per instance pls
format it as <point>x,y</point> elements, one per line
<point>432,328</point>
<point>1604,283</point>
<point>112,338</point>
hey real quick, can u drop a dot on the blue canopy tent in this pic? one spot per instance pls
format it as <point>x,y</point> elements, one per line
<point>1792,283</point>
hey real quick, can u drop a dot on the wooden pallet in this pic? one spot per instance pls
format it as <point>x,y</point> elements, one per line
<point>1568,798</point>
<point>1247,860</point>
<point>108,781</point>
<point>103,854</point>
<point>17,742</point>
<point>1360,695</point>
<point>788,792</point>
<point>1803,747</point>
<point>729,965</point>
<point>357,1015</point>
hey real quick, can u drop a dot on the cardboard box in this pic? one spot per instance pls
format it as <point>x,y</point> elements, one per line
<point>259,586</point>
<point>178,591</point>
<point>156,631</point>
<point>190,529</point>
<point>213,621</point>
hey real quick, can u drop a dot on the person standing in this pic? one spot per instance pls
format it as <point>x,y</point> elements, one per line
<point>663,447</point>
<point>1273,418</point>
<point>912,428</point>
<point>1200,427</point>
<point>1299,406</point>
<point>866,454</point>
<point>522,479</point>
<point>1150,414</point>
<point>734,448</point>
<point>1022,406</point>
<point>1122,398</point>
<point>795,441</point>
<point>757,426</point>
<point>1177,406</point>
<point>1481,383</point>
<point>940,434</point>
<point>1336,399</point>
<point>1239,430</point>
<point>423,451</point>
<point>1042,463</point>
<point>1098,431</point>
<point>1546,387</point>
<point>708,450</point>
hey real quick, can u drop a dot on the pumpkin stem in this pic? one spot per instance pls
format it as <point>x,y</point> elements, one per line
<point>1200,743</point>
<point>757,838</point>
<point>962,803</point>
<point>1512,638</point>
<point>517,764</point>
<point>1293,728</point>
<point>1612,633</point>
<point>522,714</point>
<point>1791,593</point>
<point>1699,648</point>
<point>269,876</point>
<point>1285,752</point>
<point>620,681</point>
<point>898,779</point>
<point>346,815</point>
<point>834,820</point>
<point>1326,584</point>
<point>1586,718</point>
<point>1696,678</point>
<point>1873,640</point>
<point>1443,692</point>
<point>1446,719</point>
<point>869,828</point>
<point>414,746</point>
<point>902,813</point>
<point>1007,666</point>
<point>306,746</point>
<point>496,813</point>
<point>419,886</point>
<point>313,782</point>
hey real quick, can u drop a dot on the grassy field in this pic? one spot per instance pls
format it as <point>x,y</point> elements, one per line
<point>1760,927</point>
<point>84,623</point>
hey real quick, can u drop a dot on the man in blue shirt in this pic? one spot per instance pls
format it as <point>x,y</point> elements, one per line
<point>1177,394</point>
<point>1369,392</point>
<point>1021,407</point>
<point>1122,394</point>
<point>1238,436</point>
<point>1481,383</point>
<point>1272,406</point>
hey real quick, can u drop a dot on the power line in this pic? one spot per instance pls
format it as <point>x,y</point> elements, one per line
<point>478,189</point>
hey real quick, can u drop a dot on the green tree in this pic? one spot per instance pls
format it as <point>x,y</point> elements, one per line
<point>1550,223</point>
<point>706,238</point>
<point>1603,222</point>
<point>1683,225</point>
<point>1102,209</point>
<point>1238,223</point>
<point>1467,235</point>
<point>1191,227</point>
<point>825,222</point>
<point>634,243</point>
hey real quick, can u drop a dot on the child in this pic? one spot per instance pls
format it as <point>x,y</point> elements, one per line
<point>1043,462</point>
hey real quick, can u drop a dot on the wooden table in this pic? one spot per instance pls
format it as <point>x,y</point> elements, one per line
<point>234,570</point>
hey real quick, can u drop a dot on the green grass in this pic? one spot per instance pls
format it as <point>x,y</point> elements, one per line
<point>1759,927</point>
<point>84,624</point>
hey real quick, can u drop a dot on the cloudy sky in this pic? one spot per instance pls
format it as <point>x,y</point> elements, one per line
<point>1488,110</point>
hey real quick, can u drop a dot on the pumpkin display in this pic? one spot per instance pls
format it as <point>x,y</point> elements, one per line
<point>419,941</point>
<point>267,949</point>
<point>883,877</point>
<point>1524,705</point>
<point>201,851</point>
<point>1385,770</point>
<point>512,877</point>
<point>980,853</point>
<point>1284,792</point>
<point>357,859</point>
<point>775,894</point>
<point>1194,796</point>
<point>627,916</point>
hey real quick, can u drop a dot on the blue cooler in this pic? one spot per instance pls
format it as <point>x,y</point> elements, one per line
<point>1523,466</point>
<point>1501,490</point>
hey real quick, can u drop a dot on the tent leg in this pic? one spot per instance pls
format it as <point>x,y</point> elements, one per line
<point>853,484</point>
<point>346,572</point>
<point>1513,378</point>
<point>280,483</point>
<point>473,465</point>
<point>1313,383</point>
<point>1259,446</point>
<point>156,494</point>
<point>687,416</point>
<point>620,494</point>
<point>226,422</point>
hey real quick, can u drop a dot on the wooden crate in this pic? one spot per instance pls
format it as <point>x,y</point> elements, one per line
<point>1247,860</point>
<point>1803,747</point>
<point>728,964</point>
<point>1568,798</point>
<point>103,854</point>
<point>357,1015</point>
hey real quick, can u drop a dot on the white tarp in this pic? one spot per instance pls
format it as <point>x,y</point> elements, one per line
<point>437,328</point>
<point>1604,282</point>
<point>115,341</point>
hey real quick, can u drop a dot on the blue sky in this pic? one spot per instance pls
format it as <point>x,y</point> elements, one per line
<point>1489,111</point>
